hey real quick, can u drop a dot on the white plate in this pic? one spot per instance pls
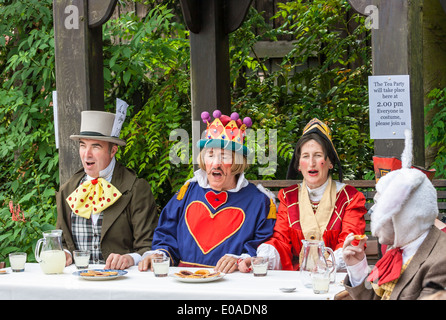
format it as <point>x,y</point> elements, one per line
<point>5,271</point>
<point>99,278</point>
<point>198,280</point>
<point>288,290</point>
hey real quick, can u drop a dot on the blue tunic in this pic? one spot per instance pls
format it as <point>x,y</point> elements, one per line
<point>204,225</point>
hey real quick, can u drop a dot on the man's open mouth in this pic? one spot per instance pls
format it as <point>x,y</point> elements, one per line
<point>217,173</point>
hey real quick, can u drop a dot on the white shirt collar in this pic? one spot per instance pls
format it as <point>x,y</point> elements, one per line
<point>107,173</point>
<point>317,193</point>
<point>411,248</point>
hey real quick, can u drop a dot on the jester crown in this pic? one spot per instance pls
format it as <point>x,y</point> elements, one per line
<point>225,132</point>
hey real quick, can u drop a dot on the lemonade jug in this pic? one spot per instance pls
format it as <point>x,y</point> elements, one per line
<point>52,257</point>
<point>314,259</point>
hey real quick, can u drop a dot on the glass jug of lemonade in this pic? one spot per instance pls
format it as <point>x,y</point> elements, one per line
<point>52,256</point>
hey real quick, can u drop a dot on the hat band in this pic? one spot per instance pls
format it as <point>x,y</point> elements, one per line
<point>93,133</point>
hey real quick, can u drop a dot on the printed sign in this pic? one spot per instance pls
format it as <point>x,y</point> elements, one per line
<point>389,106</point>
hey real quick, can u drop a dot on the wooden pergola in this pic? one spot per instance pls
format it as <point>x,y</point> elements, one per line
<point>397,48</point>
<point>79,62</point>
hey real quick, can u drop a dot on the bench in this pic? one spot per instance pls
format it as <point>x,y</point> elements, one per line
<point>367,187</point>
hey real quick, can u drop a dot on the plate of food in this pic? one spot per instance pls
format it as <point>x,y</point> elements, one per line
<point>99,274</point>
<point>4,271</point>
<point>201,275</point>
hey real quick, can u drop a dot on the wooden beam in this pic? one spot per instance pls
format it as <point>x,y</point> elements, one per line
<point>273,49</point>
<point>99,11</point>
<point>209,22</point>
<point>360,5</point>
<point>79,71</point>
<point>235,13</point>
<point>397,49</point>
<point>443,4</point>
<point>72,78</point>
<point>192,14</point>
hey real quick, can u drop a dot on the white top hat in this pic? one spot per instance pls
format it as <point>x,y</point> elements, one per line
<point>98,125</point>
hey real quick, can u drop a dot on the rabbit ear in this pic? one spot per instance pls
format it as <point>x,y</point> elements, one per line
<point>406,156</point>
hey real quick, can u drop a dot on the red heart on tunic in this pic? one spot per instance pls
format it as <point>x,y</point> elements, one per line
<point>210,230</point>
<point>216,200</point>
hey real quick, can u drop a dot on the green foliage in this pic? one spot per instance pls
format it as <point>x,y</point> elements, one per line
<point>148,61</point>
<point>436,131</point>
<point>28,157</point>
<point>324,76</point>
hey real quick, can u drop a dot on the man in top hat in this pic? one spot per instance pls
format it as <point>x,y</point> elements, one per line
<point>104,207</point>
<point>403,218</point>
<point>217,217</point>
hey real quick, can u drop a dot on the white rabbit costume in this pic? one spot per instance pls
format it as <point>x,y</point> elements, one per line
<point>403,218</point>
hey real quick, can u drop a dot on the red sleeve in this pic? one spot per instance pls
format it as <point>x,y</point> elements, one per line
<point>353,220</point>
<point>281,239</point>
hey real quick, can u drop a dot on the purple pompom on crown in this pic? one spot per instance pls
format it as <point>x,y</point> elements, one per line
<point>234,116</point>
<point>248,122</point>
<point>205,116</point>
<point>216,114</point>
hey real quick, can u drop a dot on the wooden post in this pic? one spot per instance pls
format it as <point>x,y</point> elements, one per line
<point>210,22</point>
<point>79,70</point>
<point>397,49</point>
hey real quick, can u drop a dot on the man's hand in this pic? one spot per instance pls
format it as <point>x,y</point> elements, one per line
<point>119,262</point>
<point>68,259</point>
<point>226,264</point>
<point>353,254</point>
<point>146,263</point>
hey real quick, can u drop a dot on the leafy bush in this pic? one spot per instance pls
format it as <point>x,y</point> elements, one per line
<point>28,156</point>
<point>150,60</point>
<point>436,131</point>
<point>332,88</point>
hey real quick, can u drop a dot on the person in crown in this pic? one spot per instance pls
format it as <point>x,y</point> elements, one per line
<point>318,209</point>
<point>104,207</point>
<point>217,217</point>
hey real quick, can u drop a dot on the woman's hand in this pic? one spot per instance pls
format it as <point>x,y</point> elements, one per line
<point>245,265</point>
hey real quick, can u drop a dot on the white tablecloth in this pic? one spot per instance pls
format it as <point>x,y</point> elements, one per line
<point>34,284</point>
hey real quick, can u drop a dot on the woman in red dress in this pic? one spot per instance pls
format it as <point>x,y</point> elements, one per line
<point>318,208</point>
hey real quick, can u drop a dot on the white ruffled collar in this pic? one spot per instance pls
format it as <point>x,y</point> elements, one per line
<point>317,193</point>
<point>201,178</point>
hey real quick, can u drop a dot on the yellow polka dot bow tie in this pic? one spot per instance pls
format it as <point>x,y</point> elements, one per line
<point>93,196</point>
